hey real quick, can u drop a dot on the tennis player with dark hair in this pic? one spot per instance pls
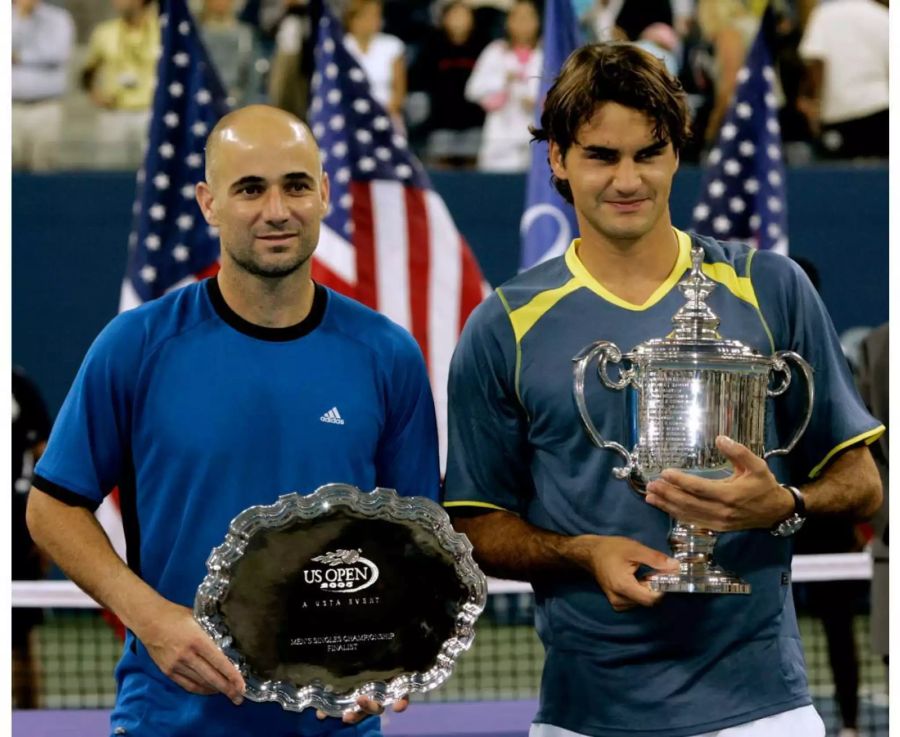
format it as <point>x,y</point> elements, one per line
<point>219,396</point>
<point>540,502</point>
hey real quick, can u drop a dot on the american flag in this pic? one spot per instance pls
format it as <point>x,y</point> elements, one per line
<point>743,195</point>
<point>170,244</point>
<point>548,223</point>
<point>388,239</point>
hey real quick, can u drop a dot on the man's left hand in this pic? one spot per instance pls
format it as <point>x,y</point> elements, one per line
<point>366,707</point>
<point>750,498</point>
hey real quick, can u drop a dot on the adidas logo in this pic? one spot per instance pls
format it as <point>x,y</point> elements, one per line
<point>333,416</point>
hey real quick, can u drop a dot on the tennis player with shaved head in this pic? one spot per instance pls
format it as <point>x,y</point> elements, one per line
<point>216,397</point>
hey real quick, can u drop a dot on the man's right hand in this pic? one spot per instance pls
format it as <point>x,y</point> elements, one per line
<point>187,655</point>
<point>613,562</point>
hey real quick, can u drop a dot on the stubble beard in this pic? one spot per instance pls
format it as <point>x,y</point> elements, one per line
<point>251,265</point>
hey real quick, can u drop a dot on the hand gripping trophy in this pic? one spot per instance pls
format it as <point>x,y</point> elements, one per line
<point>688,388</point>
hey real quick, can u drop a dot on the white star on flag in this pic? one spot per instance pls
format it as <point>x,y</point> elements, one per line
<point>743,195</point>
<point>721,224</point>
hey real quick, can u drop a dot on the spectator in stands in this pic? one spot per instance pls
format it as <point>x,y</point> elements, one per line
<point>730,28</point>
<point>30,430</point>
<point>41,40</point>
<point>845,48</point>
<point>442,70</point>
<point>379,54</point>
<point>490,16</point>
<point>623,20</point>
<point>873,378</point>
<point>120,75</point>
<point>505,83</point>
<point>662,41</point>
<point>232,49</point>
<point>288,21</point>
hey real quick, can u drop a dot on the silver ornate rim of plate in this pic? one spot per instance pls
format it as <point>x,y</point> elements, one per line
<point>382,503</point>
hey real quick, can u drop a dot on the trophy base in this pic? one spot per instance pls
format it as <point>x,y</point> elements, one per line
<point>711,581</point>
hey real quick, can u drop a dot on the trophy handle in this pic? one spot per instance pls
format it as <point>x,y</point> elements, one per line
<point>780,364</point>
<point>606,351</point>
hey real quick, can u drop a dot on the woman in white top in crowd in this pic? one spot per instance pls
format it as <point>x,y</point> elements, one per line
<point>379,54</point>
<point>505,83</point>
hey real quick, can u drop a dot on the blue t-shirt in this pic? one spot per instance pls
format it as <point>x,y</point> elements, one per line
<point>196,414</point>
<point>694,663</point>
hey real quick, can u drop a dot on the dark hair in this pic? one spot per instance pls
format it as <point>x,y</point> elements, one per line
<point>612,72</point>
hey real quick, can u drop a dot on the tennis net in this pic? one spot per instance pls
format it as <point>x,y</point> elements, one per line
<point>75,649</point>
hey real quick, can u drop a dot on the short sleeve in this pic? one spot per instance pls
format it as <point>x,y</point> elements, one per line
<point>90,442</point>
<point>814,44</point>
<point>407,451</point>
<point>488,452</point>
<point>393,47</point>
<point>799,322</point>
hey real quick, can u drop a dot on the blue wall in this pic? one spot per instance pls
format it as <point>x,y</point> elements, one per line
<point>69,233</point>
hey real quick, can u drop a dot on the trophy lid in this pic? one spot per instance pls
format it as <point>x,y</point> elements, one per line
<point>695,331</point>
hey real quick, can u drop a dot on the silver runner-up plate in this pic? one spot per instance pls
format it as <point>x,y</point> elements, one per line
<point>322,598</point>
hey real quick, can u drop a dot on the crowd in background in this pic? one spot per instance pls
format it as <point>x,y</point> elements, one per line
<point>460,76</point>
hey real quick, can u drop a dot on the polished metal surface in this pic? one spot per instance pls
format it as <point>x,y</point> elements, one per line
<point>320,599</point>
<point>687,389</point>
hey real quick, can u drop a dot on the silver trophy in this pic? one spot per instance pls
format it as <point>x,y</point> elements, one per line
<point>320,599</point>
<point>688,388</point>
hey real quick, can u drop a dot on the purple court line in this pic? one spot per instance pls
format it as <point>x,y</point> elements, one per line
<point>466,719</point>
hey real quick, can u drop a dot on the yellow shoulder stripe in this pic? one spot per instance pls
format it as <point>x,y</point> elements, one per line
<point>740,286</point>
<point>484,505</point>
<point>525,317</point>
<point>868,437</point>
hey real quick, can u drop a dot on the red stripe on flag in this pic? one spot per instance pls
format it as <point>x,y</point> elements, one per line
<point>470,288</point>
<point>321,274</point>
<point>209,271</point>
<point>419,265</point>
<point>364,243</point>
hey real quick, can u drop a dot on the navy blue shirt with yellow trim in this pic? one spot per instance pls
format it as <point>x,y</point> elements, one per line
<point>196,414</point>
<point>693,663</point>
